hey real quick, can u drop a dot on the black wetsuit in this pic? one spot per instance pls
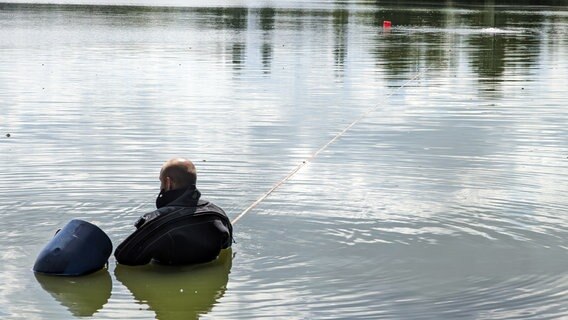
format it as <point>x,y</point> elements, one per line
<point>184,231</point>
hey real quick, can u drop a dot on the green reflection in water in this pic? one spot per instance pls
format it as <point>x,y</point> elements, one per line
<point>267,25</point>
<point>182,292</point>
<point>495,38</point>
<point>419,38</point>
<point>178,292</point>
<point>82,296</point>
<point>340,22</point>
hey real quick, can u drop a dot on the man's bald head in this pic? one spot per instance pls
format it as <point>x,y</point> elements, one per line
<point>177,173</point>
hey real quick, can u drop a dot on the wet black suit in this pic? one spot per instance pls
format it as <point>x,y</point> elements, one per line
<point>185,230</point>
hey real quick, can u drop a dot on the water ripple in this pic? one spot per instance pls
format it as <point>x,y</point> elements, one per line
<point>446,202</point>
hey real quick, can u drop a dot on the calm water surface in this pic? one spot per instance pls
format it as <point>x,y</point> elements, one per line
<point>448,201</point>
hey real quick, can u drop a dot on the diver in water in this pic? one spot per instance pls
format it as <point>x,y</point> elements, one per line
<point>183,230</point>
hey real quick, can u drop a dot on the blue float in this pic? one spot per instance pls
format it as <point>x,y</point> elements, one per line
<point>77,249</point>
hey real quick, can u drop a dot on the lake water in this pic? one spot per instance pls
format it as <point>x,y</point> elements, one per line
<point>446,199</point>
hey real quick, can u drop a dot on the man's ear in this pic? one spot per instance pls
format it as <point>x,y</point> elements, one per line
<point>169,184</point>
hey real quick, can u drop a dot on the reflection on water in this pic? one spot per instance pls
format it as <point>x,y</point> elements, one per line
<point>82,296</point>
<point>446,202</point>
<point>172,292</point>
<point>178,292</point>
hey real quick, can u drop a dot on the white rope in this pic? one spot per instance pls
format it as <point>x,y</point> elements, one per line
<point>315,154</point>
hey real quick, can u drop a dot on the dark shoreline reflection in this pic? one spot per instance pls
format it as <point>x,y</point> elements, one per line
<point>492,39</point>
<point>185,292</point>
<point>468,3</point>
<point>418,39</point>
<point>267,17</point>
<point>340,28</point>
<point>82,296</point>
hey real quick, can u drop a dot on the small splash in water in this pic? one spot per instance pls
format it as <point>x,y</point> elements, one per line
<point>498,30</point>
<point>460,31</point>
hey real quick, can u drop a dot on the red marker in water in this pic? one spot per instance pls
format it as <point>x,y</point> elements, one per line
<point>387,24</point>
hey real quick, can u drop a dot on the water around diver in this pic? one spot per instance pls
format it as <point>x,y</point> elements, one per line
<point>446,202</point>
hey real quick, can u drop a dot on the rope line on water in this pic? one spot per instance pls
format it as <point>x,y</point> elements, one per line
<point>315,154</point>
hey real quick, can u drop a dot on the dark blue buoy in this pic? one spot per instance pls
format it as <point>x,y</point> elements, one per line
<point>77,249</point>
